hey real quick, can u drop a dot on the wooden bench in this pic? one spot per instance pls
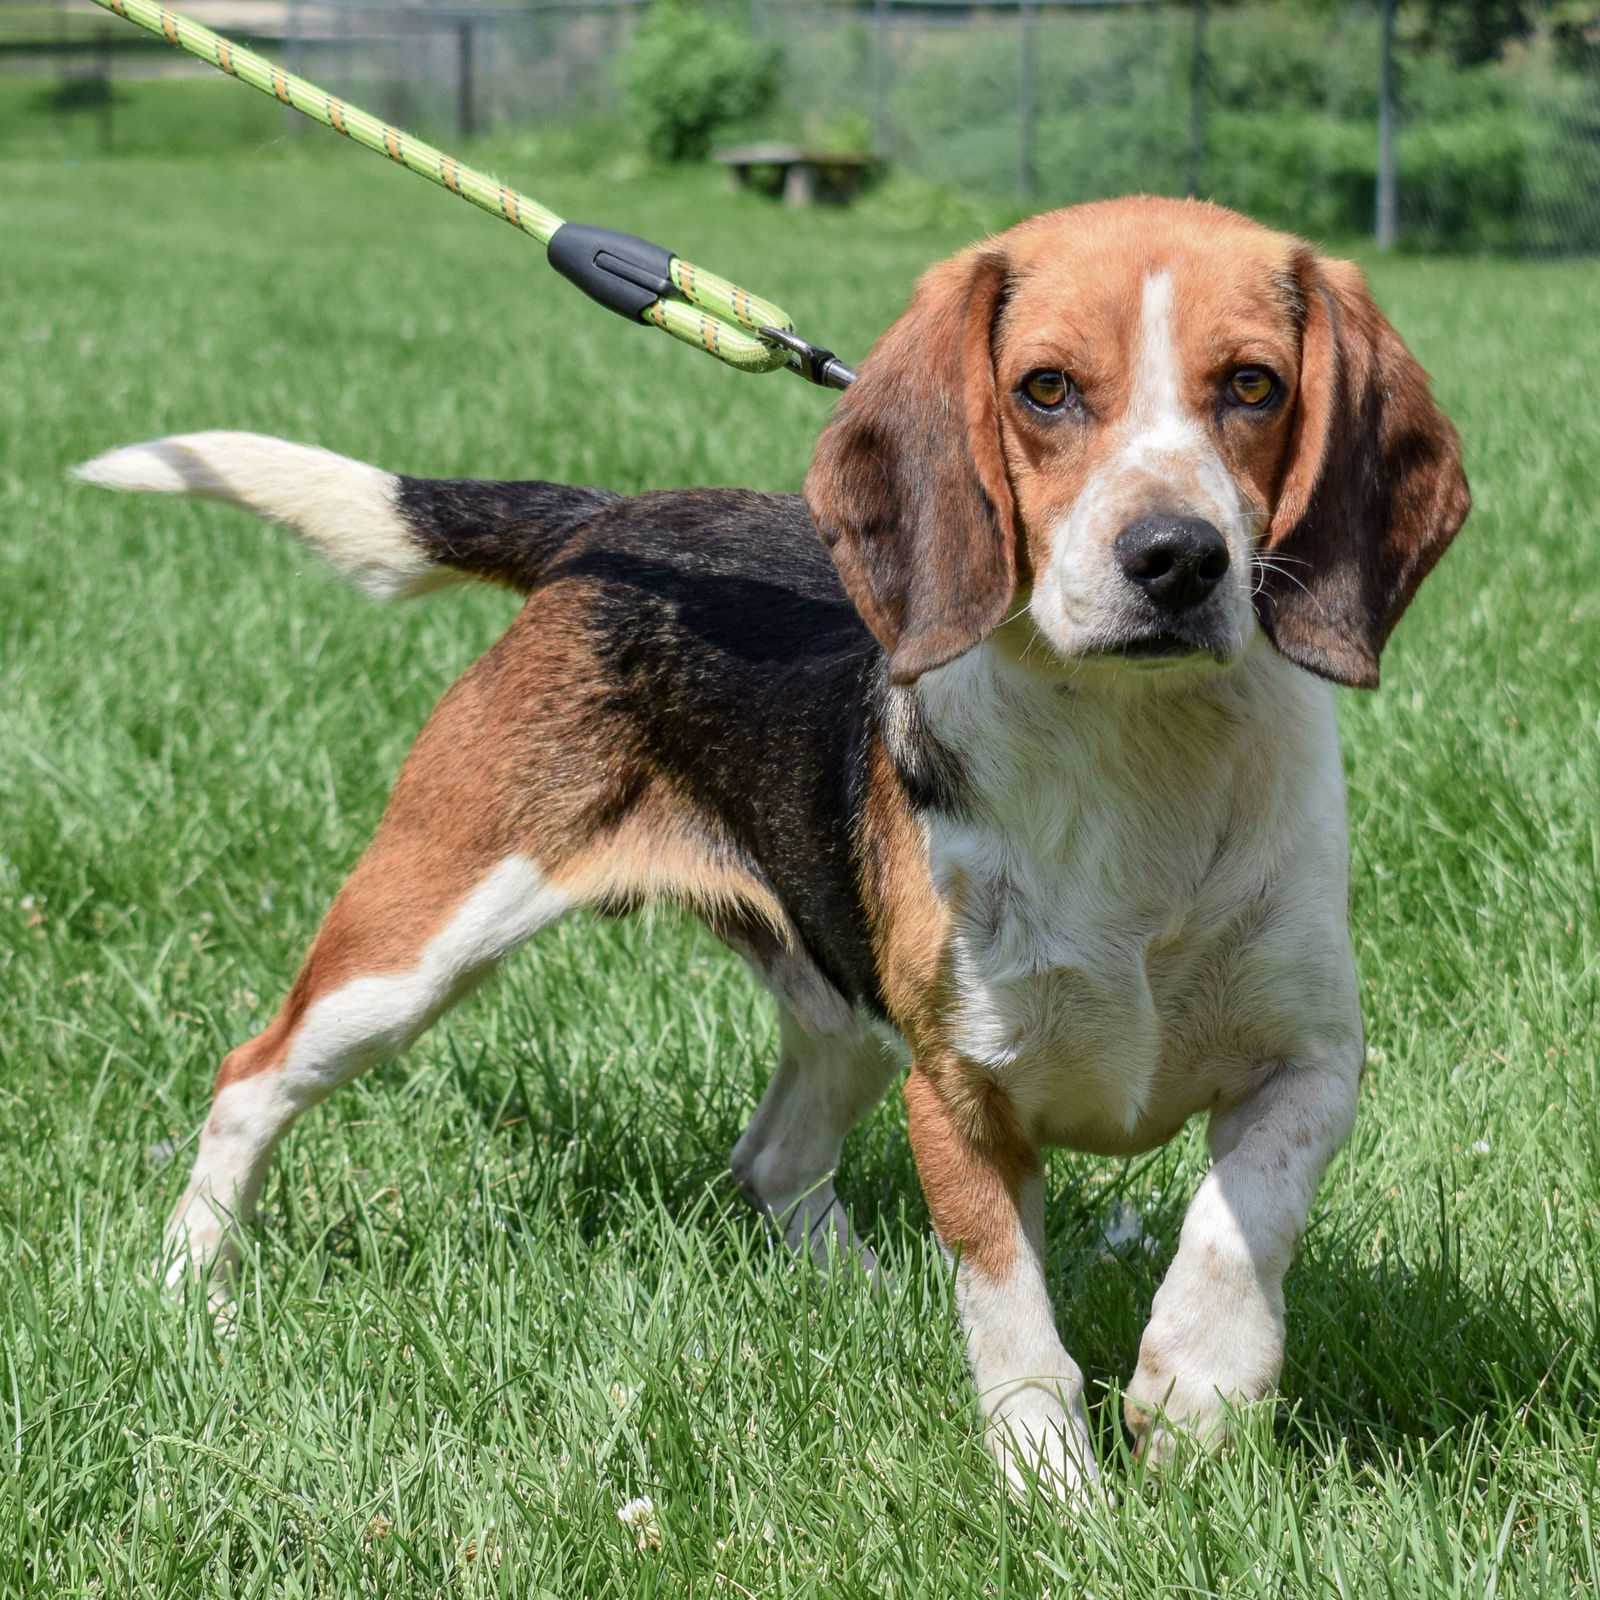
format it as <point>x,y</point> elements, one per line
<point>802,177</point>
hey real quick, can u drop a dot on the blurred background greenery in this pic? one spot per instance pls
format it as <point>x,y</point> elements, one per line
<point>1271,106</point>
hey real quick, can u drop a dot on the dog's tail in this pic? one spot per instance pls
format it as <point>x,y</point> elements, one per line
<point>392,536</point>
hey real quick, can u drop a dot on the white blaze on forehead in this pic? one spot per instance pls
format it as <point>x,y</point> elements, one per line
<point>1156,422</point>
<point>1161,437</point>
<point>1159,457</point>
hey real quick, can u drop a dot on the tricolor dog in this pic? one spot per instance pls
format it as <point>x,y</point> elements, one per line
<point>1028,761</point>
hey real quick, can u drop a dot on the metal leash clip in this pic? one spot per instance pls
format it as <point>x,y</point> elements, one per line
<point>814,362</point>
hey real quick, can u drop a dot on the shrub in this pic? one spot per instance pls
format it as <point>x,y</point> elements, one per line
<point>1294,169</point>
<point>1462,183</point>
<point>689,72</point>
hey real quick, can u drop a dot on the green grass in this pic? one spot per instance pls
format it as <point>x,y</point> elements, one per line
<point>147,117</point>
<point>503,1285</point>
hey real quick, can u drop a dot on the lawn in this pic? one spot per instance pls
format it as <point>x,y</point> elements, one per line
<point>504,1285</point>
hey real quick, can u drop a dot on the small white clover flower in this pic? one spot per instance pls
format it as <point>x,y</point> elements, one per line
<point>640,1517</point>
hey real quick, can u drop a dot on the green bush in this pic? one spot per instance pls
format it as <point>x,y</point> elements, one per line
<point>1462,183</point>
<point>1282,58</point>
<point>1296,170</point>
<point>690,72</point>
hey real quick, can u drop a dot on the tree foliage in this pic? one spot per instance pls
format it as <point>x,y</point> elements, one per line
<point>690,72</point>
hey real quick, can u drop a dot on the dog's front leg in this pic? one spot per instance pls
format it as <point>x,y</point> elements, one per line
<point>1215,1337</point>
<point>985,1189</point>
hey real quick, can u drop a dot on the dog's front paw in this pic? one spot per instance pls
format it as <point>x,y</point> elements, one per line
<point>1041,1443</point>
<point>200,1244</point>
<point>1199,1360</point>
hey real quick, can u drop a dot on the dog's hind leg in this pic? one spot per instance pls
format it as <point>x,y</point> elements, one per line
<point>465,866</point>
<point>784,1161</point>
<point>523,797</point>
<point>833,1068</point>
<point>395,951</point>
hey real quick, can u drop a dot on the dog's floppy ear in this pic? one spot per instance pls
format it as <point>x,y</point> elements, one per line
<point>1373,492</point>
<point>908,485</point>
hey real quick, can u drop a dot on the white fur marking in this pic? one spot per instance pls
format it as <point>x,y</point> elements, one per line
<point>1029,1389</point>
<point>365,1021</point>
<point>343,509</point>
<point>1157,422</point>
<point>784,1161</point>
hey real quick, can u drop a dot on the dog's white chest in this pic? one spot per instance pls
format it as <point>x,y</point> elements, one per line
<point>1058,956</point>
<point>1140,898</point>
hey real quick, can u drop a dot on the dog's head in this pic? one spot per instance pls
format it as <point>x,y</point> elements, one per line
<point>1144,427</point>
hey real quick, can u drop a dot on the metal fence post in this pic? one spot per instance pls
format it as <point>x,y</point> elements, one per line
<point>466,87</point>
<point>1027,37</point>
<point>1386,222</point>
<point>881,135</point>
<point>1197,102</point>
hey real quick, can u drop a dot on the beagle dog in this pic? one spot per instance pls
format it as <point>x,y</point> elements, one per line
<point>1027,764</point>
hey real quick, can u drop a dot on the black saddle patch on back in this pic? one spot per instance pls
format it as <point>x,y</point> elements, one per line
<point>735,654</point>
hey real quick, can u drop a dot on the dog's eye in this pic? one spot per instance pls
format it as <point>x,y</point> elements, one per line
<point>1049,391</point>
<point>1252,386</point>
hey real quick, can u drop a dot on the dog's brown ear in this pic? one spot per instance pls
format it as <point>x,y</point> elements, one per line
<point>1373,492</point>
<point>908,485</point>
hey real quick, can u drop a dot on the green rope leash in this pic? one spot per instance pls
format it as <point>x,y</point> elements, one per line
<point>640,280</point>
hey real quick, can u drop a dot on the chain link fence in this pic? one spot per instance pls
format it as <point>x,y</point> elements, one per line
<point>1271,106</point>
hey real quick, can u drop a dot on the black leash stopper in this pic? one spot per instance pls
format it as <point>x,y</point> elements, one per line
<point>624,273</point>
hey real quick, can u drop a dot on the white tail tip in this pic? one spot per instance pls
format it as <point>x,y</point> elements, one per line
<point>160,467</point>
<point>345,510</point>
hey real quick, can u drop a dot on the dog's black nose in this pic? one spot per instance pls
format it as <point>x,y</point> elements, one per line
<point>1177,561</point>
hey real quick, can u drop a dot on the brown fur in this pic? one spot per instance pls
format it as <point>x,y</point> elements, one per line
<point>910,921</point>
<point>972,1159</point>
<point>521,755</point>
<point>908,487</point>
<point>1375,491</point>
<point>662,851</point>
